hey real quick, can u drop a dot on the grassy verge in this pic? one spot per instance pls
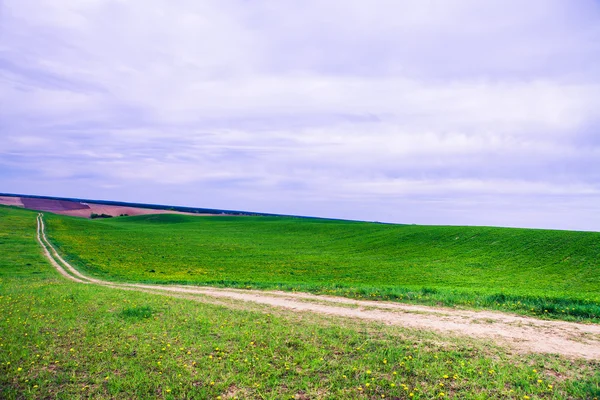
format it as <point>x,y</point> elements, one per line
<point>60,339</point>
<point>551,274</point>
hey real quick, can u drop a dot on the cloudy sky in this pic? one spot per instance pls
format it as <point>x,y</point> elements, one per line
<point>463,112</point>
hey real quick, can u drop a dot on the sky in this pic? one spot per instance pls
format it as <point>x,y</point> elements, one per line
<point>444,112</point>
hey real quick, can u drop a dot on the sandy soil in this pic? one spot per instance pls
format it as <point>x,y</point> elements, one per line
<point>11,201</point>
<point>523,334</point>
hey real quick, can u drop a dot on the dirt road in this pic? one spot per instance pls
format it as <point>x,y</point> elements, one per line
<point>523,334</point>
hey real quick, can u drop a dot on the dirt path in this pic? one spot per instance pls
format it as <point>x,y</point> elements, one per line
<point>523,334</point>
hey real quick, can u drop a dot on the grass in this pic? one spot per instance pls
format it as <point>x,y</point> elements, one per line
<point>541,272</point>
<point>60,339</point>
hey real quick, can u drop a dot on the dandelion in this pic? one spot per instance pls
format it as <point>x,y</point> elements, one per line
<point>368,372</point>
<point>550,386</point>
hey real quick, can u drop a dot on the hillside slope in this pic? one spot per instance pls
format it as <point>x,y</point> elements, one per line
<point>554,272</point>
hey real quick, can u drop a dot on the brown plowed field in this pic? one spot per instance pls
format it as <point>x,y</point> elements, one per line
<point>80,209</point>
<point>11,201</point>
<point>52,205</point>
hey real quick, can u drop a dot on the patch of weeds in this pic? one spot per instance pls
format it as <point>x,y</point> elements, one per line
<point>137,312</point>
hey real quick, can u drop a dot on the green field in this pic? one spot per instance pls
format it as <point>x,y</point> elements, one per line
<point>60,339</point>
<point>544,272</point>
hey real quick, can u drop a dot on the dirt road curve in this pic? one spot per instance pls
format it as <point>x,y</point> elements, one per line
<point>520,333</point>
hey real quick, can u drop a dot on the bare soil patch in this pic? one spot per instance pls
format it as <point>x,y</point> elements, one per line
<point>11,201</point>
<point>115,211</point>
<point>52,205</point>
<point>82,209</point>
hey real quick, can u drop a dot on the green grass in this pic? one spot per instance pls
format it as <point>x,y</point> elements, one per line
<point>60,339</point>
<point>542,272</point>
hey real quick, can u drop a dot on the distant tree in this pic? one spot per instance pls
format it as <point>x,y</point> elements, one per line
<point>94,216</point>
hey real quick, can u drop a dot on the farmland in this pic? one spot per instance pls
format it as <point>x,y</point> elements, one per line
<point>60,339</point>
<point>551,273</point>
